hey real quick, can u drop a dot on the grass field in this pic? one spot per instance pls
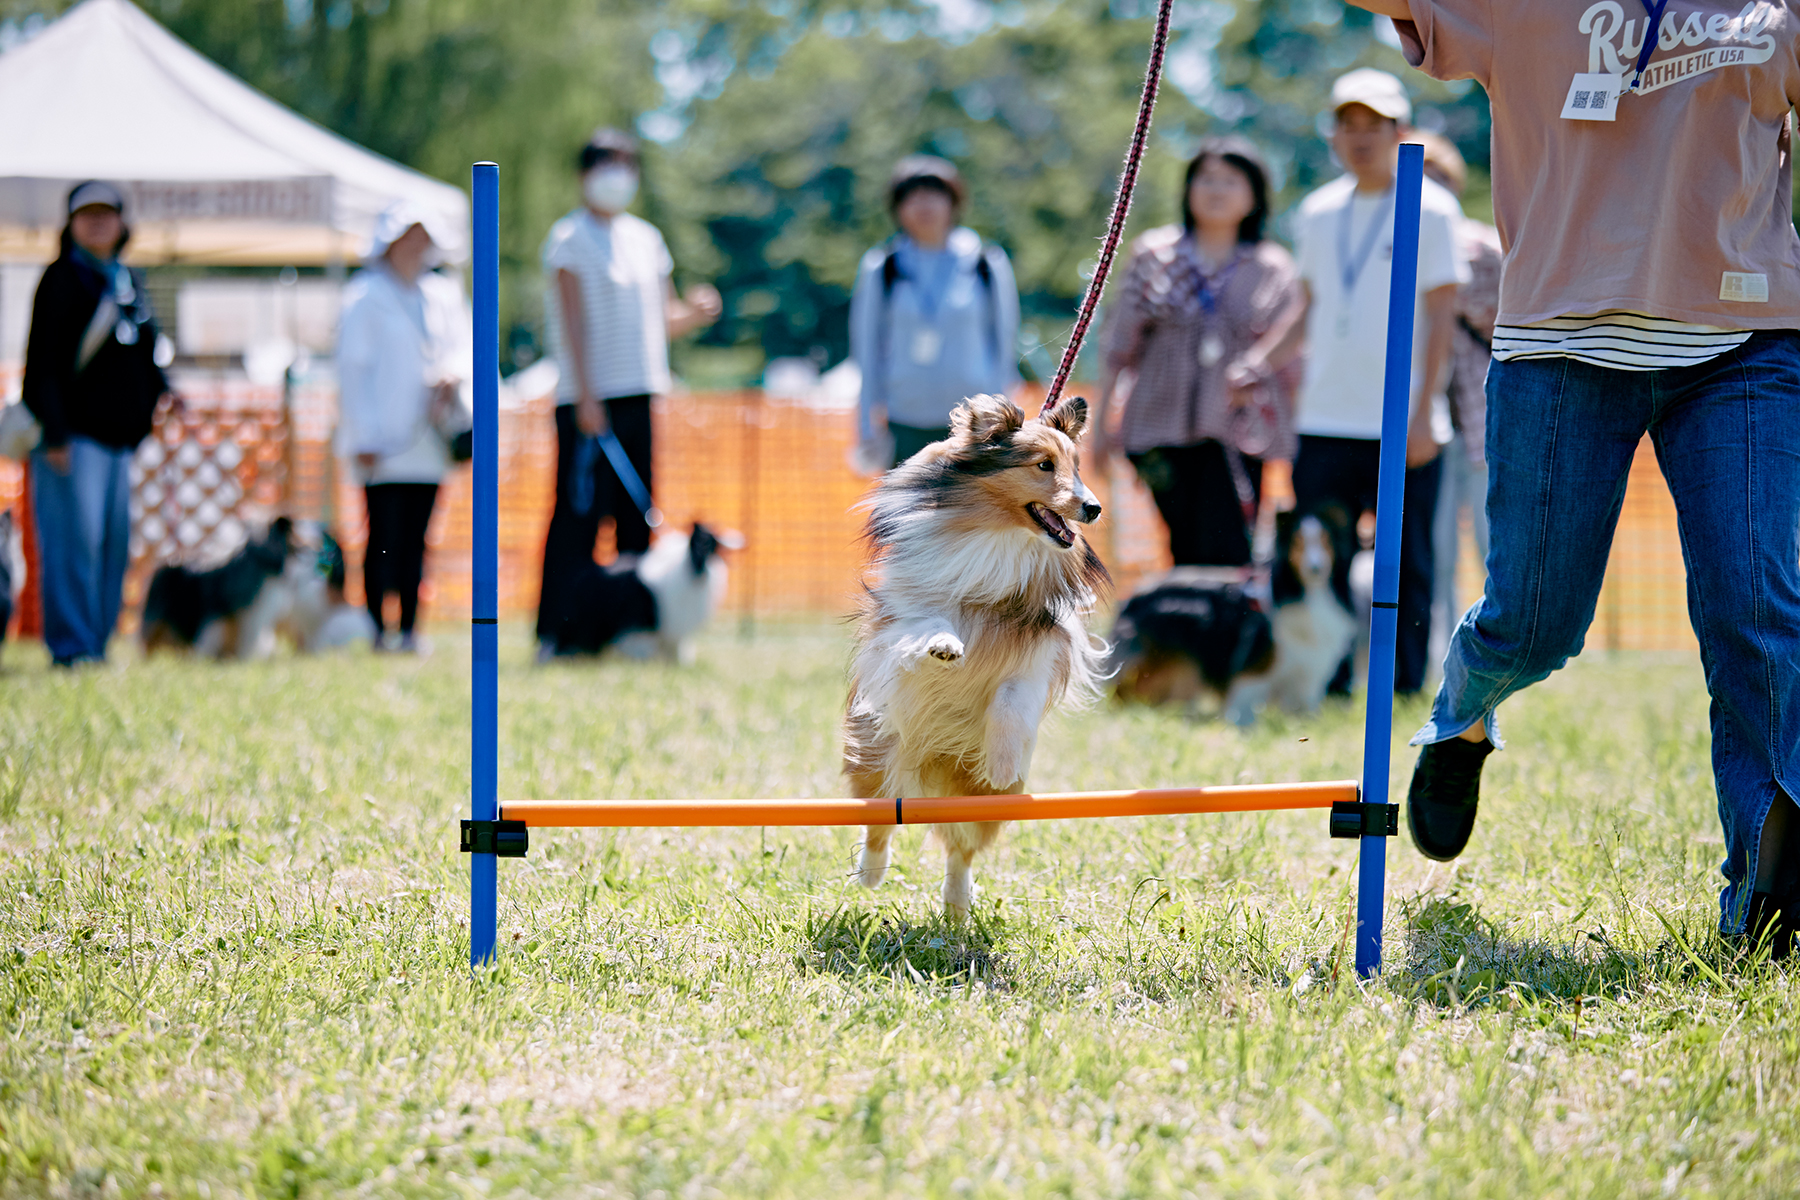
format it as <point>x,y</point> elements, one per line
<point>233,940</point>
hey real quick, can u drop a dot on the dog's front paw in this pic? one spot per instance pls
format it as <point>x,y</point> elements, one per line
<point>946,648</point>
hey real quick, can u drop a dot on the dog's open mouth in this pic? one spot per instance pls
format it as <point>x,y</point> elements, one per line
<point>1055,526</point>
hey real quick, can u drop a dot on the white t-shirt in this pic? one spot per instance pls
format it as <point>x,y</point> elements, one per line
<point>1346,333</point>
<point>622,264</point>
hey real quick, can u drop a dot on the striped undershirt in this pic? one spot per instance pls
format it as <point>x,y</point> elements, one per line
<point>1623,341</point>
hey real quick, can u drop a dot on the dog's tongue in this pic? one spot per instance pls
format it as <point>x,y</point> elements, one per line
<point>1054,523</point>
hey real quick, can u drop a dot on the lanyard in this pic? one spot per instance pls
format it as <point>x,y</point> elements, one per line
<point>1651,36</point>
<point>1351,267</point>
<point>1212,287</point>
<point>931,291</point>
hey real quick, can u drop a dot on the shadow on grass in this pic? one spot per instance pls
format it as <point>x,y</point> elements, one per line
<point>935,952</point>
<point>1456,956</point>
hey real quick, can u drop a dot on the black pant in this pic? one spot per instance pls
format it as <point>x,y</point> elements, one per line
<point>910,439</point>
<point>395,559</point>
<point>1199,502</point>
<point>1344,471</point>
<point>569,544</point>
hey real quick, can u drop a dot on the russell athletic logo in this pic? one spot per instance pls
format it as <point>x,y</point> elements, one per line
<point>1714,41</point>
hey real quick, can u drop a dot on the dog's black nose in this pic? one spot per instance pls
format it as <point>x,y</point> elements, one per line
<point>1090,513</point>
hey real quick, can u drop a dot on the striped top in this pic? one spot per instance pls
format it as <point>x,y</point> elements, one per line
<point>622,266</point>
<point>1622,341</point>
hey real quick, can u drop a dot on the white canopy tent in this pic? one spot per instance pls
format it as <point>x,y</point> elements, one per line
<point>214,171</point>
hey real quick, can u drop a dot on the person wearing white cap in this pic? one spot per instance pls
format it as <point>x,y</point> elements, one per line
<point>1345,240</point>
<point>93,382</point>
<point>404,360</point>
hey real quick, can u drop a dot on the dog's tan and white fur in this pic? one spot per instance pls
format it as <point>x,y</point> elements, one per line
<point>976,625</point>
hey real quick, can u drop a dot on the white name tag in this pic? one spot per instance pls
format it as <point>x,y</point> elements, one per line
<point>1744,288</point>
<point>1593,98</point>
<point>927,344</point>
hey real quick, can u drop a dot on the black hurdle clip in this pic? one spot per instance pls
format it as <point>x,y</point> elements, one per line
<point>503,839</point>
<point>1362,818</point>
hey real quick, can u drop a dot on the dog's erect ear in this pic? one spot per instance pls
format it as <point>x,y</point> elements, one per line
<point>1068,417</point>
<point>986,419</point>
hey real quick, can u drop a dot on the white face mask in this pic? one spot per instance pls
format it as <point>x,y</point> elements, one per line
<point>610,189</point>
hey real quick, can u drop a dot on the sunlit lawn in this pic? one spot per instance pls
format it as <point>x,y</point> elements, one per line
<point>234,945</point>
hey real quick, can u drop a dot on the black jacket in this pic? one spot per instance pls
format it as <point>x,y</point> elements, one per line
<point>112,398</point>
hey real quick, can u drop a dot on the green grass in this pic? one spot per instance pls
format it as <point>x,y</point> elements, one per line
<point>233,939</point>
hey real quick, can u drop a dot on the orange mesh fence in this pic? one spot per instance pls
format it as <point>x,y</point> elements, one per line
<point>774,470</point>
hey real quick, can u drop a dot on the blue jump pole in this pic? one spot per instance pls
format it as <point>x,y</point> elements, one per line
<point>485,567</point>
<point>1378,721</point>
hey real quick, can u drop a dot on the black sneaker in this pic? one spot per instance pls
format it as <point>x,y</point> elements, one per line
<point>1446,787</point>
<point>1769,918</point>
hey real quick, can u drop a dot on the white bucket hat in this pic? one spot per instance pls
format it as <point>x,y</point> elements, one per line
<point>401,216</point>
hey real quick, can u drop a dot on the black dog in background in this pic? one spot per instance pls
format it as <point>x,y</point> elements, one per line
<point>1188,637</point>
<point>12,570</point>
<point>650,606</point>
<point>182,603</point>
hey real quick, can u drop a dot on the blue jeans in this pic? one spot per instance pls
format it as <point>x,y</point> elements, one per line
<point>1561,436</point>
<point>84,543</point>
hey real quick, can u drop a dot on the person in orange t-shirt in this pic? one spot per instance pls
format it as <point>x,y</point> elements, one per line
<point>1651,285</point>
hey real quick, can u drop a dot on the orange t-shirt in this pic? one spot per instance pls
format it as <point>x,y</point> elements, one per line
<point>1682,206</point>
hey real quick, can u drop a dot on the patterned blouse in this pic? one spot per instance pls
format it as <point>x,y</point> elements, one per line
<point>1471,345</point>
<point>1159,327</point>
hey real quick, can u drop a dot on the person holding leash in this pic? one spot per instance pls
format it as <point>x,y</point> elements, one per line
<point>611,310</point>
<point>934,317</point>
<point>1642,189</point>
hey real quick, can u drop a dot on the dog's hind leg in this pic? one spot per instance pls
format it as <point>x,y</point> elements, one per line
<point>872,864</point>
<point>962,843</point>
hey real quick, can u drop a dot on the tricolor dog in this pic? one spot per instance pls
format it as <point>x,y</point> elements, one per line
<point>975,626</point>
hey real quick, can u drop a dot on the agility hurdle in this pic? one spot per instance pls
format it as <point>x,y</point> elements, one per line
<point>1357,809</point>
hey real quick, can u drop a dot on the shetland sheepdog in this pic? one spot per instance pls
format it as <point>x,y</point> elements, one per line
<point>649,607</point>
<point>974,628</point>
<point>1315,625</point>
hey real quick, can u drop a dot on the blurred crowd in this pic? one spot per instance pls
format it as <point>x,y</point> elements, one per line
<point>1221,352</point>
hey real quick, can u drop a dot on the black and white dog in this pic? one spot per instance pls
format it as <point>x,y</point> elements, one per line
<point>288,581</point>
<point>216,612</point>
<point>652,607</point>
<point>12,570</point>
<point>1195,635</point>
<point>1192,636</point>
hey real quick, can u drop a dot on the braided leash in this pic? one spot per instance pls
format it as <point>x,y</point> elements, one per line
<point>1121,205</point>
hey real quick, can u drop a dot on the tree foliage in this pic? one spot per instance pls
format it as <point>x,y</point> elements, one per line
<point>771,125</point>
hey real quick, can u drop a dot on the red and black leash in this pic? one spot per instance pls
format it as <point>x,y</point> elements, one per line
<point>1121,205</point>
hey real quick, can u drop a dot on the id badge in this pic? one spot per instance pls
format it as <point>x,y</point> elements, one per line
<point>1593,97</point>
<point>927,344</point>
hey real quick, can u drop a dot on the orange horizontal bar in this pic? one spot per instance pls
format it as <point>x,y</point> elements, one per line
<point>925,810</point>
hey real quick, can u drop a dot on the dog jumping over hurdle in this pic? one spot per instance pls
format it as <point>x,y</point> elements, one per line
<point>975,628</point>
